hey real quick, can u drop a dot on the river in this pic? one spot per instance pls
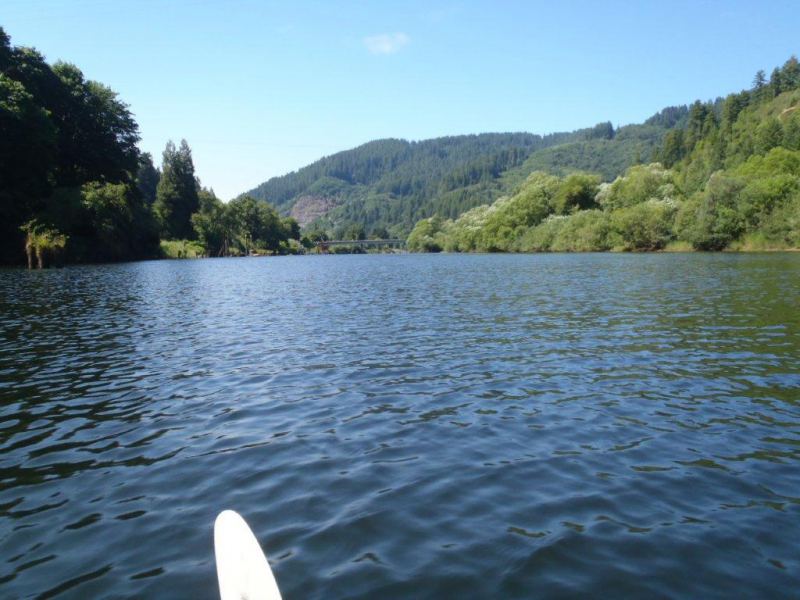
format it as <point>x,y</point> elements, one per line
<point>397,426</point>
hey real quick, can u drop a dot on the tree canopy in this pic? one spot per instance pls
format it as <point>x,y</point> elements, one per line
<point>176,193</point>
<point>65,143</point>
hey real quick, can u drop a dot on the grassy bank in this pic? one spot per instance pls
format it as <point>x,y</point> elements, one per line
<point>181,249</point>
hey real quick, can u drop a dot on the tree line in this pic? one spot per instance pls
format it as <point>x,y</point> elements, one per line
<point>728,177</point>
<point>74,186</point>
<point>185,212</point>
<point>390,184</point>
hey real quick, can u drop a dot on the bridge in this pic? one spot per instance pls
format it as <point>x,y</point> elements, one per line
<point>325,245</point>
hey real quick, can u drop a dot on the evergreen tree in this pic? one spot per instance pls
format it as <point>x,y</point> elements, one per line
<point>791,73</point>
<point>769,135</point>
<point>776,81</point>
<point>673,150</point>
<point>791,134</point>
<point>760,80</point>
<point>176,193</point>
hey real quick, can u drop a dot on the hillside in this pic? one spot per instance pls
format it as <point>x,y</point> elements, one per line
<point>728,178</point>
<point>388,185</point>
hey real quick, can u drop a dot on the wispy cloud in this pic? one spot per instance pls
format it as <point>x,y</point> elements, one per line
<point>386,43</point>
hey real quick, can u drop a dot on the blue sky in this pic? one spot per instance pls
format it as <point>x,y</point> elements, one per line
<point>262,88</point>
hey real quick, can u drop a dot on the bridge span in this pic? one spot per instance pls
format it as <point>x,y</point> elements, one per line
<point>325,245</point>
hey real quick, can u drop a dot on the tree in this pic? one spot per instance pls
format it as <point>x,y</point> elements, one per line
<point>577,192</point>
<point>213,224</point>
<point>380,233</point>
<point>759,81</point>
<point>257,225</point>
<point>601,131</point>
<point>644,226</point>
<point>732,107</point>
<point>176,193</point>
<point>639,184</point>
<point>5,50</point>
<point>791,133</point>
<point>769,135</point>
<point>147,178</point>
<point>791,73</point>
<point>776,81</point>
<point>27,158</point>
<point>42,242</point>
<point>673,149</point>
<point>354,231</point>
<point>68,156</point>
<point>425,236</point>
<point>122,225</point>
<point>97,133</point>
<point>711,221</point>
<point>291,228</point>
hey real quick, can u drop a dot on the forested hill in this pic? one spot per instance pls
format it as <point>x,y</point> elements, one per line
<point>727,178</point>
<point>388,185</point>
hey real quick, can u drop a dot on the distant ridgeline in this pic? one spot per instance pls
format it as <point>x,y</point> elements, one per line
<point>386,186</point>
<point>726,176</point>
<point>484,183</point>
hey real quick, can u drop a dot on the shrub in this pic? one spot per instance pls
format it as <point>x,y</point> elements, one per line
<point>181,249</point>
<point>640,183</point>
<point>584,231</point>
<point>711,221</point>
<point>645,226</point>
<point>577,192</point>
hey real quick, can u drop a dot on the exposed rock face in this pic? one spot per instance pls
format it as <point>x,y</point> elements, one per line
<point>308,208</point>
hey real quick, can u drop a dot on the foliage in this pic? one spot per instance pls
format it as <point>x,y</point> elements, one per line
<point>513,215</point>
<point>242,226</point>
<point>583,231</point>
<point>181,249</point>
<point>644,226</point>
<point>722,174</point>
<point>121,225</point>
<point>577,192</point>
<point>43,243</point>
<point>391,184</point>
<point>733,182</point>
<point>62,138</point>
<point>176,193</point>
<point>147,178</point>
<point>423,237</point>
<point>640,183</point>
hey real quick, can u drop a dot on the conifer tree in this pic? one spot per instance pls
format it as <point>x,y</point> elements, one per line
<point>176,193</point>
<point>776,81</point>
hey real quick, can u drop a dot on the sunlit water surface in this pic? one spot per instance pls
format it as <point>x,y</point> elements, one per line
<point>405,426</point>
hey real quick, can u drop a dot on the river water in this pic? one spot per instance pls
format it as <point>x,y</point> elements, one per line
<point>403,426</point>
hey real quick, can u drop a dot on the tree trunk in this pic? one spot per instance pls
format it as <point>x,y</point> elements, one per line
<point>29,252</point>
<point>39,257</point>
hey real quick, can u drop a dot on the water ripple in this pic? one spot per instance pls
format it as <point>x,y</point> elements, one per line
<point>405,426</point>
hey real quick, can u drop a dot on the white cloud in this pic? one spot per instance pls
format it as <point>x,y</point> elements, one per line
<point>386,43</point>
